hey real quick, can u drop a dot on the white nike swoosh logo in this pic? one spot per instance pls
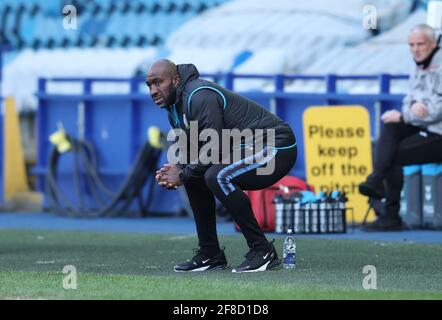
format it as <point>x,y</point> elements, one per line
<point>265,257</point>
<point>204,261</point>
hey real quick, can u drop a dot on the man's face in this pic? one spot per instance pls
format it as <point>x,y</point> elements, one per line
<point>162,86</point>
<point>421,46</point>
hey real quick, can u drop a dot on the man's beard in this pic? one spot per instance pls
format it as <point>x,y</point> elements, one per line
<point>171,97</point>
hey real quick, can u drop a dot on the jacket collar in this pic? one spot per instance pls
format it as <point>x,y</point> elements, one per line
<point>426,63</point>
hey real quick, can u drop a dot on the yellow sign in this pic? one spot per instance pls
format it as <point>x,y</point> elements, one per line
<point>338,151</point>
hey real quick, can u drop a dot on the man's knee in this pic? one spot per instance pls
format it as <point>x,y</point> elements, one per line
<point>195,183</point>
<point>392,126</point>
<point>210,177</point>
<point>398,129</point>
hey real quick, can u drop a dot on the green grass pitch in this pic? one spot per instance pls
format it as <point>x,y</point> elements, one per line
<point>140,266</point>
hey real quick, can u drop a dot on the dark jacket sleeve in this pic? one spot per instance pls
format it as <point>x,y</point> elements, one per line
<point>206,108</point>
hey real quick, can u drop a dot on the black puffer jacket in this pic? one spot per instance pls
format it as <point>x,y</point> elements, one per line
<point>217,108</point>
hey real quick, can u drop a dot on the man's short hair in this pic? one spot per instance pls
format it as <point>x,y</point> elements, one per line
<point>426,29</point>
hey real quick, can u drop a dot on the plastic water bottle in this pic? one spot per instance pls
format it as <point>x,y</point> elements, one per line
<point>289,251</point>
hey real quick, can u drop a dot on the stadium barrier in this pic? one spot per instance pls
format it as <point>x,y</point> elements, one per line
<point>1,152</point>
<point>116,124</point>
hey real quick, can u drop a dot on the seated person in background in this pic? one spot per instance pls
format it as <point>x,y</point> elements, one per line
<point>413,136</point>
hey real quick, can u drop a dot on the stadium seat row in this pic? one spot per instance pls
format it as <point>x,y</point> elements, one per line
<point>52,7</point>
<point>100,22</point>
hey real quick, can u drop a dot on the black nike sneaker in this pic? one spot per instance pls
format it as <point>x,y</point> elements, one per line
<point>201,262</point>
<point>384,223</point>
<point>259,260</point>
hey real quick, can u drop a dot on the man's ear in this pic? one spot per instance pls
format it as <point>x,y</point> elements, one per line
<point>176,80</point>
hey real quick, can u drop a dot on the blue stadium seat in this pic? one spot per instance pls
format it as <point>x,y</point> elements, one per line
<point>27,29</point>
<point>41,31</point>
<point>123,5</point>
<point>10,22</point>
<point>161,23</point>
<point>131,29</point>
<point>138,25</point>
<point>105,4</point>
<point>93,25</point>
<point>177,18</point>
<point>181,3</point>
<point>146,27</point>
<point>57,33</point>
<point>48,31</point>
<point>113,30</point>
<point>30,3</point>
<point>70,38</point>
<point>47,28</point>
<point>11,3</point>
<point>51,7</point>
<point>147,3</point>
<point>125,21</point>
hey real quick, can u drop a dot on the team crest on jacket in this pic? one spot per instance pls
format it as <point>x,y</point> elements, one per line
<point>186,124</point>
